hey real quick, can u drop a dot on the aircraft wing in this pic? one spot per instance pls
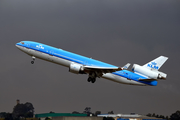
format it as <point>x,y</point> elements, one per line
<point>106,69</point>
<point>147,80</point>
<point>103,69</point>
<point>150,79</point>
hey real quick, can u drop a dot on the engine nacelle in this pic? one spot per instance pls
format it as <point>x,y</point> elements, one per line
<point>75,68</point>
<point>154,74</point>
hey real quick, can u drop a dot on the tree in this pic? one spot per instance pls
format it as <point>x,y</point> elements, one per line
<point>149,115</point>
<point>19,111</point>
<point>2,114</point>
<point>108,118</point>
<point>97,113</point>
<point>23,110</point>
<point>110,112</point>
<point>29,110</point>
<point>175,116</point>
<point>6,116</point>
<point>47,118</point>
<point>75,112</point>
<point>167,118</point>
<point>161,116</point>
<point>157,116</point>
<point>153,115</point>
<point>87,111</point>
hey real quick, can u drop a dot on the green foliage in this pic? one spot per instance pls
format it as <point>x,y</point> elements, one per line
<point>87,111</point>
<point>167,118</point>
<point>47,118</point>
<point>23,110</point>
<point>156,115</point>
<point>6,116</point>
<point>175,116</point>
<point>75,112</point>
<point>2,114</point>
<point>97,113</point>
<point>108,118</point>
<point>110,112</point>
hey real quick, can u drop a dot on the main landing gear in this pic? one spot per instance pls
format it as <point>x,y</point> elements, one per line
<point>92,77</point>
<point>33,59</point>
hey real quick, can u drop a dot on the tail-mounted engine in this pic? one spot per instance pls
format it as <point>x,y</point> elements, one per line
<point>76,68</point>
<point>151,73</point>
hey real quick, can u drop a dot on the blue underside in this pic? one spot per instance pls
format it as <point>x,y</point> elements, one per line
<point>82,60</point>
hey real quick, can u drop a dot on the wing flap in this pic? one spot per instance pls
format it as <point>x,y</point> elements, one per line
<point>103,69</point>
<point>147,80</point>
<point>99,71</point>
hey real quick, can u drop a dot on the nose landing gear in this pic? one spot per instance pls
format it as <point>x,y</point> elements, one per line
<point>33,59</point>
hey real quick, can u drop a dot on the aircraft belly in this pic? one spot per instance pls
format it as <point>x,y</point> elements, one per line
<point>48,57</point>
<point>24,49</point>
<point>120,79</point>
<point>61,61</point>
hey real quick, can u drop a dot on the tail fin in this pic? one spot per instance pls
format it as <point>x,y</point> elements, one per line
<point>156,63</point>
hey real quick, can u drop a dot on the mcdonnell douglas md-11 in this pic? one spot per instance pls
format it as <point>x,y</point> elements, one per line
<point>146,75</point>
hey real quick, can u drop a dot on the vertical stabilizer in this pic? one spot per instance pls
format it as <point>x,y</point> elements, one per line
<point>156,63</point>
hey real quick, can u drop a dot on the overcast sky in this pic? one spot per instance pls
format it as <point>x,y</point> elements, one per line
<point>112,31</point>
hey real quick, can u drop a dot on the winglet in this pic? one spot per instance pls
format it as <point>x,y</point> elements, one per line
<point>126,66</point>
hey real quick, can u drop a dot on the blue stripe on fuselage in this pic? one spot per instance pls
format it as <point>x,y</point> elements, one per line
<point>133,76</point>
<point>64,54</point>
<point>81,60</point>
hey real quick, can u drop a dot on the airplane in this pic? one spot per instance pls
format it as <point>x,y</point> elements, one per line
<point>146,75</point>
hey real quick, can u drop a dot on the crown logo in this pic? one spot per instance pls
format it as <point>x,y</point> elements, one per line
<point>153,63</point>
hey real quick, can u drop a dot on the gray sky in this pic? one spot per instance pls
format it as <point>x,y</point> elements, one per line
<point>112,31</point>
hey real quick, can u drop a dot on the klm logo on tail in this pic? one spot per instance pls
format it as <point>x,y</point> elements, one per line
<point>153,65</point>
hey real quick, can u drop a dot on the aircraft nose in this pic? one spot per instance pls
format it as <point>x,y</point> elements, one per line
<point>17,45</point>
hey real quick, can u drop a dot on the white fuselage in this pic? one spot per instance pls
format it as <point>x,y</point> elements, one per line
<point>67,63</point>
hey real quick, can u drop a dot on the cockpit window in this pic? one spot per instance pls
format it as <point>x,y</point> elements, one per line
<point>22,42</point>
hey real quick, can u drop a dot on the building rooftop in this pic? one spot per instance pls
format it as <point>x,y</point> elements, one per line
<point>58,115</point>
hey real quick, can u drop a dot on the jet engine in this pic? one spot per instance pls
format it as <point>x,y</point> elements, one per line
<point>76,68</point>
<point>151,73</point>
